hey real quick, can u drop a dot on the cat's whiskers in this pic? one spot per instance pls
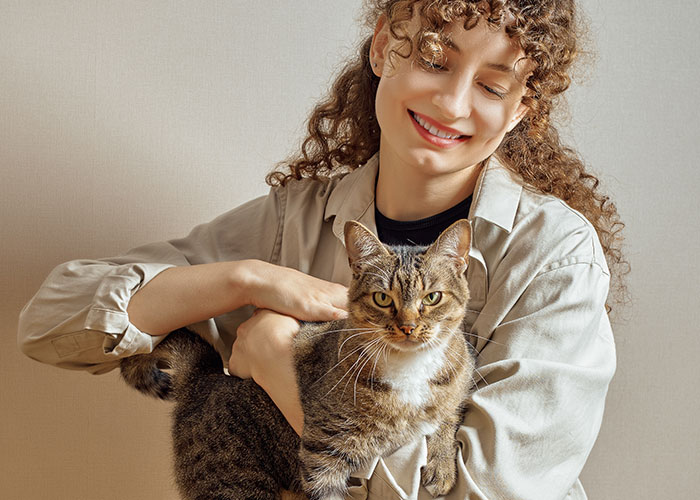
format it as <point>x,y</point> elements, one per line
<point>463,363</point>
<point>358,348</point>
<point>383,350</point>
<point>350,370</point>
<point>434,342</point>
<point>451,367</point>
<point>479,354</point>
<point>356,369</point>
<point>369,358</point>
<point>355,335</point>
<point>461,360</point>
<point>488,340</point>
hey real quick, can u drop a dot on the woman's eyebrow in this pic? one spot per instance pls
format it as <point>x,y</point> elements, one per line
<point>502,68</point>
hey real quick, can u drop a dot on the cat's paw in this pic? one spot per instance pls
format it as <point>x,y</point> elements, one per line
<point>439,475</point>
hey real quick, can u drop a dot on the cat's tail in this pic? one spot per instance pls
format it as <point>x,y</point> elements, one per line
<point>182,352</point>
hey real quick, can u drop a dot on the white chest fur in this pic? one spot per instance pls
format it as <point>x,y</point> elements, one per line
<point>409,373</point>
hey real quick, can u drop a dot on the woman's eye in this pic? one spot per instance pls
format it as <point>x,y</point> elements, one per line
<point>432,298</point>
<point>490,90</point>
<point>382,299</point>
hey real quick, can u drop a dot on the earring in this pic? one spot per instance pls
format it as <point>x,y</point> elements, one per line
<point>374,64</point>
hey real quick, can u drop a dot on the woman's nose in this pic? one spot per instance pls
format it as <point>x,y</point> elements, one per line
<point>454,99</point>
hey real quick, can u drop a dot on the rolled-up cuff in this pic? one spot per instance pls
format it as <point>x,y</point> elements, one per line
<point>108,311</point>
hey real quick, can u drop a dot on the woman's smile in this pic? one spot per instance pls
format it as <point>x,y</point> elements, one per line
<point>436,133</point>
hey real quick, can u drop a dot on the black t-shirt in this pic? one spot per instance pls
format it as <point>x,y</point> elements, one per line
<point>419,232</point>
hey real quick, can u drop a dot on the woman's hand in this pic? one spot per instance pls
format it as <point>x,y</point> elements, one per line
<point>293,293</point>
<point>263,347</point>
<point>263,351</point>
<point>260,342</point>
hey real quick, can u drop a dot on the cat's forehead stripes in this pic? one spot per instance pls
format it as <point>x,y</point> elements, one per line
<point>407,276</point>
<point>401,269</point>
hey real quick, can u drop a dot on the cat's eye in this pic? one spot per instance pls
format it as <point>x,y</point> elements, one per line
<point>432,298</point>
<point>382,299</point>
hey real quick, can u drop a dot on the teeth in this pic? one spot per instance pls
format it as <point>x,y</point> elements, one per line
<point>433,130</point>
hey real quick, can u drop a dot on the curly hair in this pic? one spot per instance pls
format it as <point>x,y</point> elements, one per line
<point>343,132</point>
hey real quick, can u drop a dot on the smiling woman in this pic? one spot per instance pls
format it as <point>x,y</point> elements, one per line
<point>344,131</point>
<point>423,164</point>
<point>444,114</point>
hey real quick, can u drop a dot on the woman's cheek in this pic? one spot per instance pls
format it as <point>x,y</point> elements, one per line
<point>493,118</point>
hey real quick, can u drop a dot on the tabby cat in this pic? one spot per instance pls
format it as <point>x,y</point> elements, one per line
<point>398,367</point>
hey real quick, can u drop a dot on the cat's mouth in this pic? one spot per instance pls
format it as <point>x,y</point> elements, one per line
<point>407,343</point>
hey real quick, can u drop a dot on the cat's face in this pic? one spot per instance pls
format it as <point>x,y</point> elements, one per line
<point>408,298</point>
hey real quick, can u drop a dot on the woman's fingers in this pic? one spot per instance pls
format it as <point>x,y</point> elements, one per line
<point>296,294</point>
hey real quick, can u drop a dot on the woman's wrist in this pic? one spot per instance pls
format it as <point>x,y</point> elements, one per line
<point>239,280</point>
<point>263,351</point>
<point>247,280</point>
<point>274,350</point>
<point>276,374</point>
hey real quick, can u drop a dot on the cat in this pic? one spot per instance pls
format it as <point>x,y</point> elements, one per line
<point>397,368</point>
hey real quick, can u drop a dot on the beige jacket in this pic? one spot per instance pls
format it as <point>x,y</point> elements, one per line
<point>538,282</point>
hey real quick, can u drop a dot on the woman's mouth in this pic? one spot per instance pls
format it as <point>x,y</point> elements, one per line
<point>435,135</point>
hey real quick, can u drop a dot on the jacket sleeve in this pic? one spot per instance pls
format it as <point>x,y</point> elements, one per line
<point>542,382</point>
<point>78,319</point>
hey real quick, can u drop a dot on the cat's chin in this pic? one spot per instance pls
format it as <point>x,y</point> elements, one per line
<point>406,345</point>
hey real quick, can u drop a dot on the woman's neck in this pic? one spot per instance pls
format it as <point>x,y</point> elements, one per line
<point>407,193</point>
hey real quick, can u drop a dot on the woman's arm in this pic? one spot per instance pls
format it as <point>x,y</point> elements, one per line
<point>263,351</point>
<point>543,380</point>
<point>81,317</point>
<point>181,296</point>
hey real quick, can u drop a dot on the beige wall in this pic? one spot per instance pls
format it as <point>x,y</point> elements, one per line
<point>128,122</point>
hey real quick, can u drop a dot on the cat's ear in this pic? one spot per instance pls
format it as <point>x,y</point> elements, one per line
<point>361,244</point>
<point>454,242</point>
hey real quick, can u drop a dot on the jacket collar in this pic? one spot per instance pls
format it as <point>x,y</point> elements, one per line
<point>496,197</point>
<point>353,198</point>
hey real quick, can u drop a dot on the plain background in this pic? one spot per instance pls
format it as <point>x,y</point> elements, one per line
<point>127,122</point>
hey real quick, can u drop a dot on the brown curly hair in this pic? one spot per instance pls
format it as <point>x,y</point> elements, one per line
<point>343,132</point>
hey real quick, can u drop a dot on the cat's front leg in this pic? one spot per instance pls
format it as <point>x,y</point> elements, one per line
<point>440,473</point>
<point>324,471</point>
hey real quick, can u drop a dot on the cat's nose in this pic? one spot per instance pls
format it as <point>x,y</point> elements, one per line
<point>407,328</point>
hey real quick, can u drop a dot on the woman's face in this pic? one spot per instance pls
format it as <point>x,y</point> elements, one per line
<point>452,116</point>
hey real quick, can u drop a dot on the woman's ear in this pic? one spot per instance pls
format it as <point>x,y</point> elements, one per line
<point>520,112</point>
<point>380,43</point>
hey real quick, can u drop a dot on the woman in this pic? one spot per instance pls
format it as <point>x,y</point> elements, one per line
<point>444,114</point>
